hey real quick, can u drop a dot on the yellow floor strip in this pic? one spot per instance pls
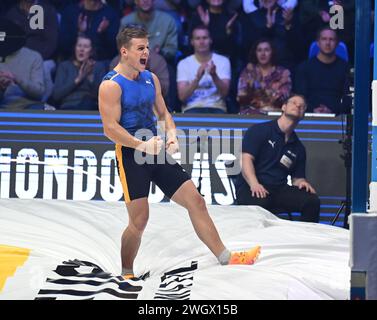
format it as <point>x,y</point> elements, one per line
<point>10,259</point>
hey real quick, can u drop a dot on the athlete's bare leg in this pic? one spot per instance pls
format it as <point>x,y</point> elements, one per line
<point>138,214</point>
<point>189,197</point>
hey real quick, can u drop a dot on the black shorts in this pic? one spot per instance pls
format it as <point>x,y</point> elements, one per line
<point>136,178</point>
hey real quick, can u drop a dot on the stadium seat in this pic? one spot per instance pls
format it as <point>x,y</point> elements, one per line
<point>341,50</point>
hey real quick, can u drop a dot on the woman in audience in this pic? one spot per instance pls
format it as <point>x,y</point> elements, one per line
<point>263,86</point>
<point>77,80</point>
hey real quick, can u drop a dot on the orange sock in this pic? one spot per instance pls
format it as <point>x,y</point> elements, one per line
<point>127,273</point>
<point>245,257</point>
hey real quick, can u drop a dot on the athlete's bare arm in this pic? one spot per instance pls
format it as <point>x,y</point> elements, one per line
<point>110,110</point>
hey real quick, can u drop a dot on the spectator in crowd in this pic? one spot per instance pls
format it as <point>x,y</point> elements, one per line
<point>323,80</point>
<point>270,152</point>
<point>97,20</point>
<point>77,80</point>
<point>221,25</point>
<point>21,71</point>
<point>168,5</point>
<point>222,19</point>
<point>156,64</point>
<point>263,86</point>
<point>160,26</point>
<point>172,7</point>
<point>203,78</point>
<point>280,26</point>
<point>252,5</point>
<point>43,40</point>
<point>315,14</point>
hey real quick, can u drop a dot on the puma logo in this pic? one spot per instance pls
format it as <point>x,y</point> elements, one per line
<point>272,143</point>
<point>148,82</point>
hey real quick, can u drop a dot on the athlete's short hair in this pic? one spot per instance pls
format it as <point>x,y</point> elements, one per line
<point>129,32</point>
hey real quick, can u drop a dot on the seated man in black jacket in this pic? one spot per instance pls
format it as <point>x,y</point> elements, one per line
<point>323,80</point>
<point>270,152</point>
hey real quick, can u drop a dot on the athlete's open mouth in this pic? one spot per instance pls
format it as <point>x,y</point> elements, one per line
<point>143,61</point>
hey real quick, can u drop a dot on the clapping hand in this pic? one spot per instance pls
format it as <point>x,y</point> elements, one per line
<point>204,15</point>
<point>82,23</point>
<point>103,25</point>
<point>85,69</point>
<point>287,16</point>
<point>271,17</point>
<point>201,71</point>
<point>230,23</point>
<point>211,67</point>
<point>325,16</point>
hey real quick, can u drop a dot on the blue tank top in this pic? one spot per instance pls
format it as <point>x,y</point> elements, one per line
<point>137,99</point>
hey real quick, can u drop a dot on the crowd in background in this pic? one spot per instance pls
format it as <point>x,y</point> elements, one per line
<point>211,56</point>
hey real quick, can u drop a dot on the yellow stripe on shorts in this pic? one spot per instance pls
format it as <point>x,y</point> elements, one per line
<point>122,174</point>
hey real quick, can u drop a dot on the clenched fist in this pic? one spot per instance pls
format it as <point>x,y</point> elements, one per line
<point>153,146</point>
<point>172,145</point>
